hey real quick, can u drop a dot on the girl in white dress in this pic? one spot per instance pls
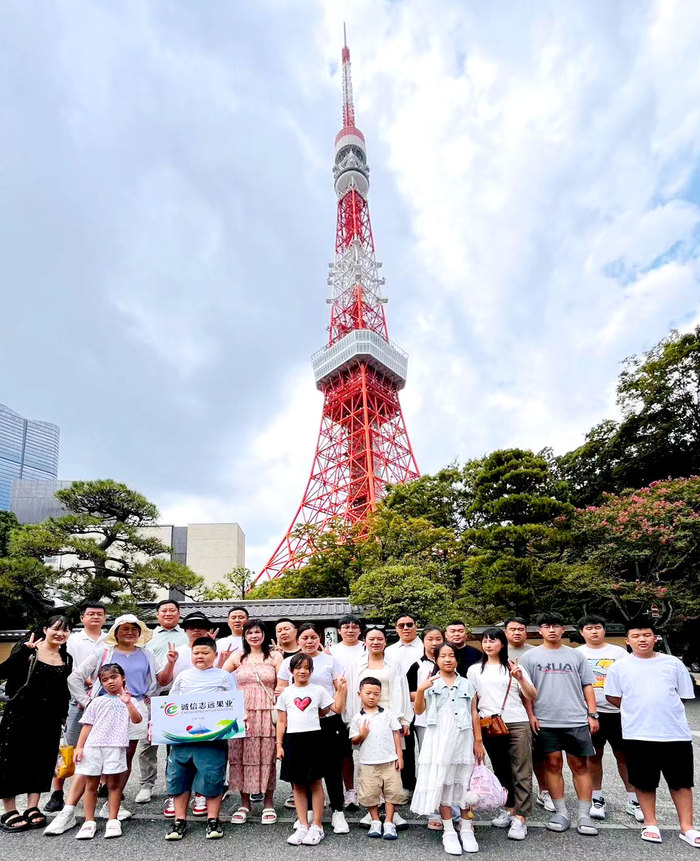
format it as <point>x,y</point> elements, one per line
<point>447,754</point>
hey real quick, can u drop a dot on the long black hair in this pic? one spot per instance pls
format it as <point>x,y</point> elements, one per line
<point>500,635</point>
<point>265,645</point>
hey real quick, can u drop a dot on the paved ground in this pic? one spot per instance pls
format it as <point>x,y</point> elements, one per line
<point>143,834</point>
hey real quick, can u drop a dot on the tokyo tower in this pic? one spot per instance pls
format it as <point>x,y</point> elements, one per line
<point>363,444</point>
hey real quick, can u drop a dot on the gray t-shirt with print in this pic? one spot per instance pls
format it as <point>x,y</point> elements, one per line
<point>559,676</point>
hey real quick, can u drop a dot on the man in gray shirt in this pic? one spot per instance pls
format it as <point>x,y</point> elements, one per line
<point>564,717</point>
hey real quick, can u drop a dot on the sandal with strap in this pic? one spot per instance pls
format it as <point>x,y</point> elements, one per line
<point>651,834</point>
<point>13,820</point>
<point>691,837</point>
<point>269,816</point>
<point>240,816</point>
<point>35,817</point>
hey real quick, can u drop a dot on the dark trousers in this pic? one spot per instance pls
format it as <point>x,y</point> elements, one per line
<point>511,759</point>
<point>335,741</point>
<point>408,774</point>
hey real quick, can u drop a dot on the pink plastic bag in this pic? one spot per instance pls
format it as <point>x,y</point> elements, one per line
<point>485,785</point>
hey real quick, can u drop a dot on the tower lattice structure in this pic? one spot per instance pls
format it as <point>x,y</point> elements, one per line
<point>363,444</point>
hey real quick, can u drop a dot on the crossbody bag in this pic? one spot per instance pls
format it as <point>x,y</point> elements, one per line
<point>494,725</point>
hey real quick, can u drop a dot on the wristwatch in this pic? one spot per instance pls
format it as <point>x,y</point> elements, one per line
<point>593,715</point>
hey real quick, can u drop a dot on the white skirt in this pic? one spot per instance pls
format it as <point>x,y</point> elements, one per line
<point>445,766</point>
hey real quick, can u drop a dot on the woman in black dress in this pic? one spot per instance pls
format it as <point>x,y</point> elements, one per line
<point>30,732</point>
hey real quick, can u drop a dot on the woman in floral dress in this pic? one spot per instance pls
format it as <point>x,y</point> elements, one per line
<point>252,760</point>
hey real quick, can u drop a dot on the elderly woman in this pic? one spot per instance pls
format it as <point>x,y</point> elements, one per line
<point>124,645</point>
<point>30,732</point>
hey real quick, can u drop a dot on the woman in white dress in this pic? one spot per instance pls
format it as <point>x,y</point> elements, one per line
<point>448,751</point>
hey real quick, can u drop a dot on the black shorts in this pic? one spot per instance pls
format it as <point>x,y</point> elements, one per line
<point>648,760</point>
<point>575,740</point>
<point>610,731</point>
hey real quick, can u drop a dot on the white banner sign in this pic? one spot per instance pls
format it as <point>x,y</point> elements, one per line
<point>176,720</point>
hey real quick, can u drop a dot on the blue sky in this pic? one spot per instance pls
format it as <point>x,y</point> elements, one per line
<point>168,217</point>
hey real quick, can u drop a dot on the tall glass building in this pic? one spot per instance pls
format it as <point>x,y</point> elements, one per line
<point>28,449</point>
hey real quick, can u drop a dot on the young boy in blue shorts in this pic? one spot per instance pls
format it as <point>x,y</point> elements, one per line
<point>199,765</point>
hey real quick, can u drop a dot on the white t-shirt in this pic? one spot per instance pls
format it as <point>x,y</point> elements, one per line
<point>229,643</point>
<point>193,681</point>
<point>326,670</point>
<point>518,651</point>
<point>347,655</point>
<point>491,686</point>
<point>600,661</point>
<point>184,660</point>
<point>652,691</point>
<point>425,669</point>
<point>405,654</point>
<point>379,746</point>
<point>302,705</point>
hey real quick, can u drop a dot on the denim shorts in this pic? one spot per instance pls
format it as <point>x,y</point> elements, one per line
<point>198,766</point>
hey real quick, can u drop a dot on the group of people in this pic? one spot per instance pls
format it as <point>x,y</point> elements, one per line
<point>419,714</point>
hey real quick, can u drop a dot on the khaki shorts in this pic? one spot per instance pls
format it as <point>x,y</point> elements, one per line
<point>376,780</point>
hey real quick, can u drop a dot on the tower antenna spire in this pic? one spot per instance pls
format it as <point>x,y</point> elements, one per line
<point>348,106</point>
<point>363,444</point>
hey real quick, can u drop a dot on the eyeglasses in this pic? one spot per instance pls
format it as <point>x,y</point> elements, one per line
<point>551,627</point>
<point>405,624</point>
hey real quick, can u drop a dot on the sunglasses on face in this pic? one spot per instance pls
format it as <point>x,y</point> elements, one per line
<point>405,624</point>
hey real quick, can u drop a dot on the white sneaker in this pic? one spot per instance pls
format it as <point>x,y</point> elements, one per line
<point>517,830</point>
<point>64,820</point>
<point>634,809</point>
<point>375,829</point>
<point>169,808</point>
<point>113,829</point>
<point>121,816</point>
<point>351,799</point>
<point>544,799</point>
<point>503,820</point>
<point>597,810</point>
<point>399,821</point>
<point>313,836</point>
<point>468,839</point>
<point>338,823</point>
<point>297,835</point>
<point>366,820</point>
<point>144,795</point>
<point>87,830</point>
<point>451,844</point>
<point>199,805</point>
<point>389,831</point>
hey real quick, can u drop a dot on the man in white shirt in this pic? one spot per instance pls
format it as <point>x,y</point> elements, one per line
<point>649,688</point>
<point>346,652</point>
<point>81,645</point>
<point>406,652</point>
<point>601,657</point>
<point>237,617</point>
<point>166,634</point>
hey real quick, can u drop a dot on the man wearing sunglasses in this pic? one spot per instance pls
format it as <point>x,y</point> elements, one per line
<point>406,652</point>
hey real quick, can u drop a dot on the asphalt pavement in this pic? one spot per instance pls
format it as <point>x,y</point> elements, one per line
<point>143,834</point>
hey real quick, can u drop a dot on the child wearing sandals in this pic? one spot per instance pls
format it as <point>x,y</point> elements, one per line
<point>101,749</point>
<point>299,744</point>
<point>447,754</point>
<point>649,688</point>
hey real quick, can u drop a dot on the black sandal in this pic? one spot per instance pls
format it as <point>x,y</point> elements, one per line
<point>13,820</point>
<point>35,817</point>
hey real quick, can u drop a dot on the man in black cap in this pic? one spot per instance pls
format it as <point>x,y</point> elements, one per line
<point>195,625</point>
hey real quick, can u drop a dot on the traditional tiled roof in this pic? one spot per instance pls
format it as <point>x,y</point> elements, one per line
<point>299,609</point>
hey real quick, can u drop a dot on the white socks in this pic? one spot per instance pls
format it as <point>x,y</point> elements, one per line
<point>447,825</point>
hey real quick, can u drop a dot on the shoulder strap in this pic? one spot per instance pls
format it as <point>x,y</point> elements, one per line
<point>505,698</point>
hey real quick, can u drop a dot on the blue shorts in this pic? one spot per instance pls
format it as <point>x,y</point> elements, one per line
<point>199,766</point>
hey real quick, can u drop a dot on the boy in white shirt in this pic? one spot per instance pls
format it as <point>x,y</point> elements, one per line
<point>199,765</point>
<point>601,656</point>
<point>649,688</point>
<point>378,732</point>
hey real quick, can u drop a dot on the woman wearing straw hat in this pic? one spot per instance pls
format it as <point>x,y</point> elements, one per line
<point>123,645</point>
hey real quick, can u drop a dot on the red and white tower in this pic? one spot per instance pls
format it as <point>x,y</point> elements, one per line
<point>363,444</point>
